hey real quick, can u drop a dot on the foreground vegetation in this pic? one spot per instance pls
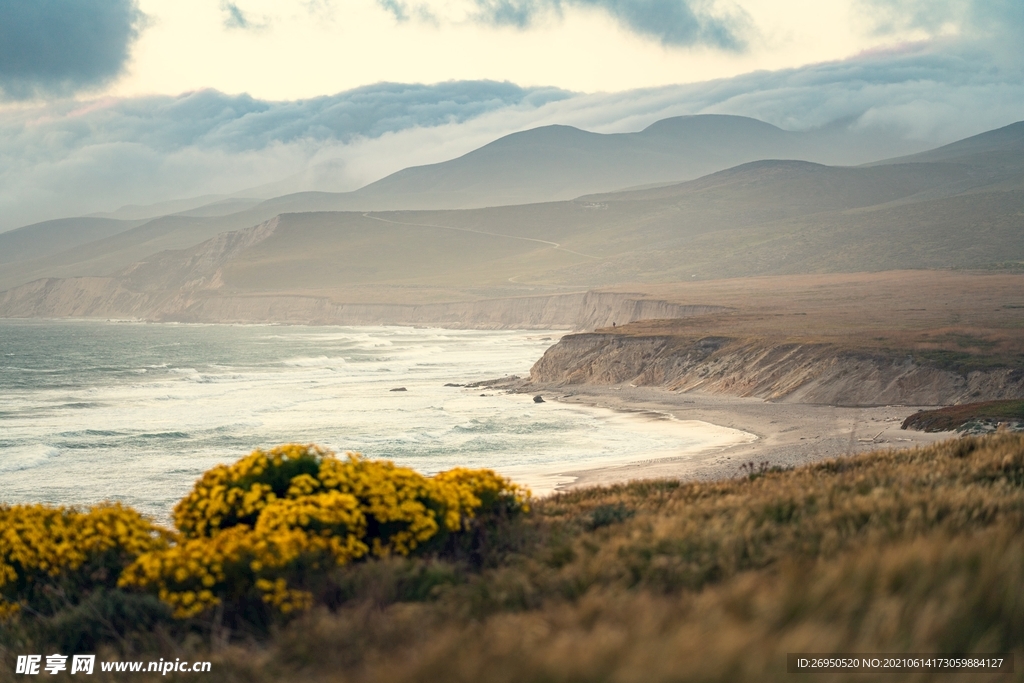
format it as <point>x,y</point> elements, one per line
<point>958,417</point>
<point>898,551</point>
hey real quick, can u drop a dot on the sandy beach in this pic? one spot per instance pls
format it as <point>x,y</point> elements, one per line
<point>784,434</point>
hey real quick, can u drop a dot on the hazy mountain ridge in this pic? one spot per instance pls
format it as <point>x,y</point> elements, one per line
<point>1008,140</point>
<point>52,237</point>
<point>554,163</point>
<point>765,217</point>
<point>542,164</point>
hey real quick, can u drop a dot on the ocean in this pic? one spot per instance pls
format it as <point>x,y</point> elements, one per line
<point>135,412</point>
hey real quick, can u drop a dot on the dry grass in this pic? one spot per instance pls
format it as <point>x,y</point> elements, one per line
<point>950,319</point>
<point>954,417</point>
<point>898,551</point>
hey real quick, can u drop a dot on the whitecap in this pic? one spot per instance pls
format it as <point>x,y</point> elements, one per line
<point>26,457</point>
<point>227,393</point>
<point>313,362</point>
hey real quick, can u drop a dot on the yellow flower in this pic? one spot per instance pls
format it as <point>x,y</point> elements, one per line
<point>260,526</point>
<point>40,543</point>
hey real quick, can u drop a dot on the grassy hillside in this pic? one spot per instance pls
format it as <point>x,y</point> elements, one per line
<point>561,162</point>
<point>115,252</point>
<point>52,237</point>
<point>1007,140</point>
<point>761,218</point>
<point>770,218</point>
<point>544,164</point>
<point>899,552</point>
<point>764,218</point>
<point>956,417</point>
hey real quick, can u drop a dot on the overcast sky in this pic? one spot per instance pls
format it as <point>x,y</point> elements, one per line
<point>111,102</point>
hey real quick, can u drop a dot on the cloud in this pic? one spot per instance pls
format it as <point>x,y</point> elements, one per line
<point>61,46</point>
<point>399,10</point>
<point>676,23</point>
<point>236,17</point>
<point>970,18</point>
<point>68,158</point>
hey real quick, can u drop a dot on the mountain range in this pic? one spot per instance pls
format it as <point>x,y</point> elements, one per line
<point>550,163</point>
<point>748,213</point>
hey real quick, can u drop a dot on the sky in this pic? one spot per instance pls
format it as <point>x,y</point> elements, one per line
<point>105,103</point>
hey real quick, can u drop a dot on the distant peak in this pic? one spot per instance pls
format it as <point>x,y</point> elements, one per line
<point>555,130</point>
<point>708,122</point>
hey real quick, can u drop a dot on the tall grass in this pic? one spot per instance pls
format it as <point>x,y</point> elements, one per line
<point>657,581</point>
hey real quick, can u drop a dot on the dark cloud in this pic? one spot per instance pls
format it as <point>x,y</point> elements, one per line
<point>235,16</point>
<point>399,10</point>
<point>518,13</point>
<point>679,23</point>
<point>60,46</point>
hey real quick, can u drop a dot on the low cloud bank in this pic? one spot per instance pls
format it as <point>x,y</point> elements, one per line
<point>72,158</point>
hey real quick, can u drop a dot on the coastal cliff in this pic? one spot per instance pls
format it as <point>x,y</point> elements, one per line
<point>188,286</point>
<point>788,372</point>
<point>575,311</point>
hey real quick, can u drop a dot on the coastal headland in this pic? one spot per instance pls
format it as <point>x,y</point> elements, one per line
<point>813,366</point>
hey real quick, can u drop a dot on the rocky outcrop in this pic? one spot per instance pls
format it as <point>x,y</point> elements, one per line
<point>798,373</point>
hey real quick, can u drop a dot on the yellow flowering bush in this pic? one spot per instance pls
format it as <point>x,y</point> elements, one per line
<point>58,553</point>
<point>483,490</point>
<point>199,573</point>
<point>271,523</point>
<point>320,530</point>
<point>228,495</point>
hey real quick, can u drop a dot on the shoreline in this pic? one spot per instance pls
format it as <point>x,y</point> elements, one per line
<point>682,439</point>
<point>785,434</point>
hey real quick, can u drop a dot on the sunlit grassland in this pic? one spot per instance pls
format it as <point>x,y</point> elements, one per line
<point>897,551</point>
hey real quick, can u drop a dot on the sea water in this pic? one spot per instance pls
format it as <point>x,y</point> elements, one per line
<point>135,412</point>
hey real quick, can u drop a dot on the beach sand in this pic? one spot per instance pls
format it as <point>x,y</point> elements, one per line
<point>680,439</point>
<point>780,434</point>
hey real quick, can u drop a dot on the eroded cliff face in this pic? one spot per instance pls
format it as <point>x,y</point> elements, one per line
<point>797,373</point>
<point>187,286</point>
<point>96,297</point>
<point>157,288</point>
<point>576,311</point>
